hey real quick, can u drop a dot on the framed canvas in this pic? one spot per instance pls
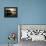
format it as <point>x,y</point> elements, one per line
<point>10,11</point>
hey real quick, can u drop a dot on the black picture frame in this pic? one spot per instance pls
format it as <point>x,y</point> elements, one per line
<point>10,12</point>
